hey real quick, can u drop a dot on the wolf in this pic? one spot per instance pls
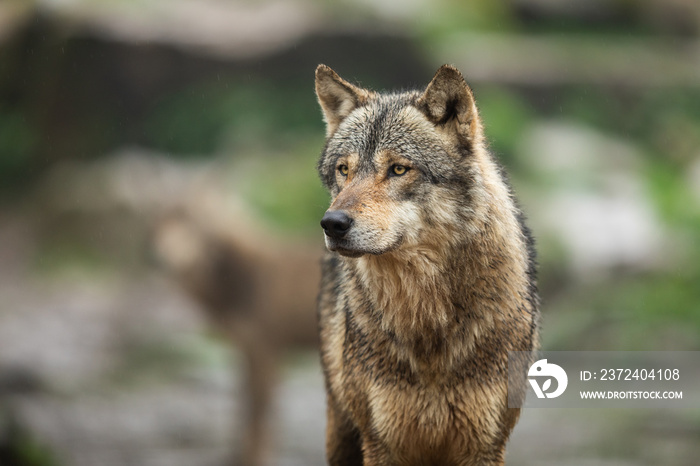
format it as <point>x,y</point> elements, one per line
<point>257,291</point>
<point>429,280</point>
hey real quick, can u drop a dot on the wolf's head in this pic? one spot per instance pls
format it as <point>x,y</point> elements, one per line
<point>400,167</point>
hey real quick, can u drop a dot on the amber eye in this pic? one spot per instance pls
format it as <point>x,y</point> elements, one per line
<point>343,169</point>
<point>398,170</point>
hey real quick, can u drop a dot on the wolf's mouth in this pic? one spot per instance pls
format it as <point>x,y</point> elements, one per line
<point>345,249</point>
<point>349,252</point>
<point>341,247</point>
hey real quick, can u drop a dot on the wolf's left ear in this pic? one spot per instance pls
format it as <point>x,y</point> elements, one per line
<point>448,101</point>
<point>337,97</point>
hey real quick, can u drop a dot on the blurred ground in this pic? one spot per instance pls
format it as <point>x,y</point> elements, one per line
<point>111,111</point>
<point>119,371</point>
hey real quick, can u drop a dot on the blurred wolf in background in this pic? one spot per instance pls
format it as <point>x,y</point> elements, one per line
<point>257,291</point>
<point>429,282</point>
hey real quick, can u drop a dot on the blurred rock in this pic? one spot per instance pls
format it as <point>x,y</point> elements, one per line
<point>589,12</point>
<point>605,232</point>
<point>568,149</point>
<point>596,204</point>
<point>234,29</point>
<point>132,179</point>
<point>675,17</point>
<point>121,375</point>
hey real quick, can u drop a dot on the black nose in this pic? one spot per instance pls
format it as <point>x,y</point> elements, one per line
<point>336,223</point>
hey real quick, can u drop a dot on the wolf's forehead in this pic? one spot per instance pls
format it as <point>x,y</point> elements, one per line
<point>386,123</point>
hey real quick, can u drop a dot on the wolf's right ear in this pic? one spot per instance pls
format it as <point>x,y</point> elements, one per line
<point>337,97</point>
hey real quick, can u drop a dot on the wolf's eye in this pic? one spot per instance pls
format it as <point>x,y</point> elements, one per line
<point>398,170</point>
<point>343,169</point>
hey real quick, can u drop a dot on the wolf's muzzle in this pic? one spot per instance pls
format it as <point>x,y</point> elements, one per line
<point>336,223</point>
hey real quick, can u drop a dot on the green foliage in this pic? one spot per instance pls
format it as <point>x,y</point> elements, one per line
<point>70,256</point>
<point>654,311</point>
<point>597,107</point>
<point>672,196</point>
<point>505,116</point>
<point>29,452</point>
<point>152,361</point>
<point>19,446</point>
<point>666,122</point>
<point>285,188</point>
<point>17,142</point>
<point>448,16</point>
<point>198,120</point>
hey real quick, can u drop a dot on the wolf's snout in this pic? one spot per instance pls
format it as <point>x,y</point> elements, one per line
<point>336,223</point>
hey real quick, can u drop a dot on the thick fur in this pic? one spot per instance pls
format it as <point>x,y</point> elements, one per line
<point>430,287</point>
<point>256,291</point>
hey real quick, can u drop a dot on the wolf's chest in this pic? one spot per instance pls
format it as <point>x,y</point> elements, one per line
<point>409,409</point>
<point>425,418</point>
<point>424,412</point>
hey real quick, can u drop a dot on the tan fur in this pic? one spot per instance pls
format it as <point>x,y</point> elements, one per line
<point>256,290</point>
<point>427,291</point>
